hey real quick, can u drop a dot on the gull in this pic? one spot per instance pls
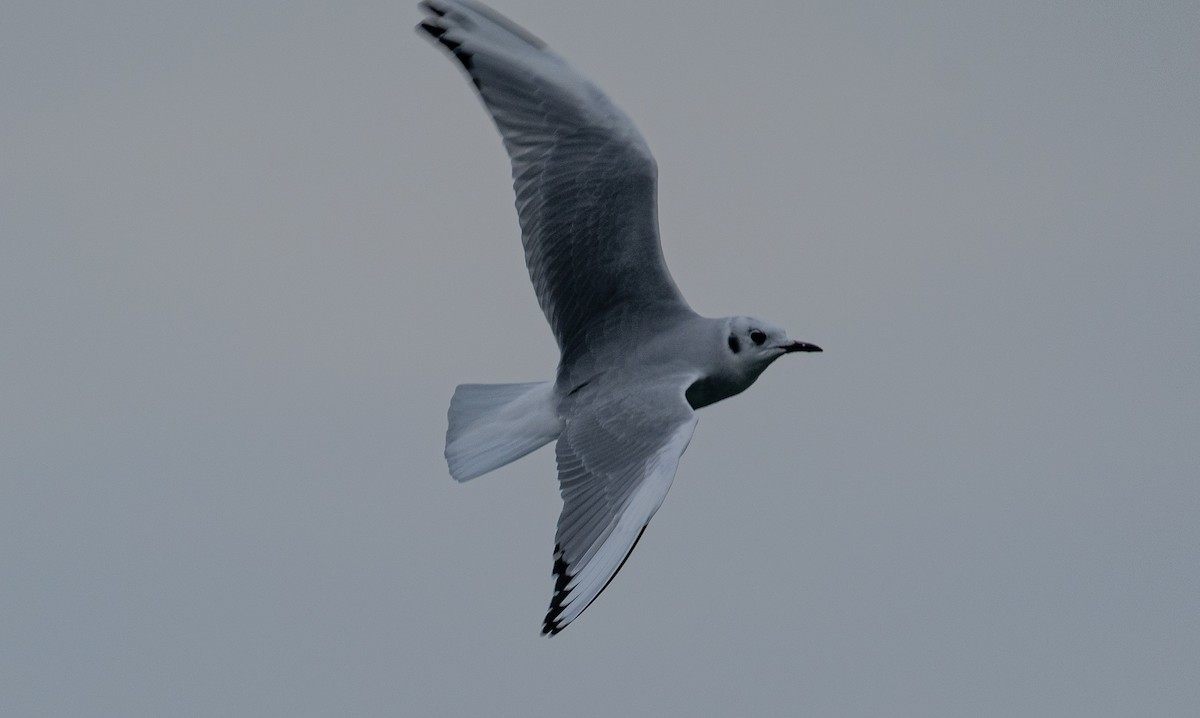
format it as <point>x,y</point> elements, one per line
<point>635,361</point>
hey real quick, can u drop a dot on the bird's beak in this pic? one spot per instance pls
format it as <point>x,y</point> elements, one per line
<point>800,347</point>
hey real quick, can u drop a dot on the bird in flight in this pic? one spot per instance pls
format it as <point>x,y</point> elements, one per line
<point>635,361</point>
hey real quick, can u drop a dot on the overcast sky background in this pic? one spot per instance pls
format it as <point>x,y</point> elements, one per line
<point>248,249</point>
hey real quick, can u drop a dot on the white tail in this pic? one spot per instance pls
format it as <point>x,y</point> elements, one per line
<point>494,424</point>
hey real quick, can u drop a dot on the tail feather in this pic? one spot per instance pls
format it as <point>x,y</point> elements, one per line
<point>494,424</point>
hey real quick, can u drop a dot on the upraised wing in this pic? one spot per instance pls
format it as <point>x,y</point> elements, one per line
<point>616,460</point>
<point>584,178</point>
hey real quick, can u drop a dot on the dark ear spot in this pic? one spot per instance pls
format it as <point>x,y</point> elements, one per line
<point>734,345</point>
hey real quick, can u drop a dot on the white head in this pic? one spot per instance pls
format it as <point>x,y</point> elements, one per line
<point>747,347</point>
<point>756,343</point>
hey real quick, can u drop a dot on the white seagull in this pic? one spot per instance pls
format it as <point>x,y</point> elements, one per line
<point>635,360</point>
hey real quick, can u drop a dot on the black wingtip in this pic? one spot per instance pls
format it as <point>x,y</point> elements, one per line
<point>551,625</point>
<point>428,7</point>
<point>438,33</point>
<point>434,31</point>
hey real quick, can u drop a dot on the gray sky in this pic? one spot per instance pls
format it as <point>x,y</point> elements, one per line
<point>247,251</point>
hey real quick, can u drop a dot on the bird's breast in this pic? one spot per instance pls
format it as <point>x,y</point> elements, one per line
<point>711,389</point>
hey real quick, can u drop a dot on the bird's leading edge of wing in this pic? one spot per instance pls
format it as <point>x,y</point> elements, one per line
<point>584,178</point>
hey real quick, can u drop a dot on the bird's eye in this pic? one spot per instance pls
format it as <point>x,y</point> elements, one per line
<point>758,336</point>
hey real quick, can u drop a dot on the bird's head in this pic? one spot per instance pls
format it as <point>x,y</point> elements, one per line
<point>747,347</point>
<point>755,343</point>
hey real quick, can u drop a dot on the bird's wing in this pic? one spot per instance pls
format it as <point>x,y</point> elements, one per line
<point>584,178</point>
<point>616,460</point>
